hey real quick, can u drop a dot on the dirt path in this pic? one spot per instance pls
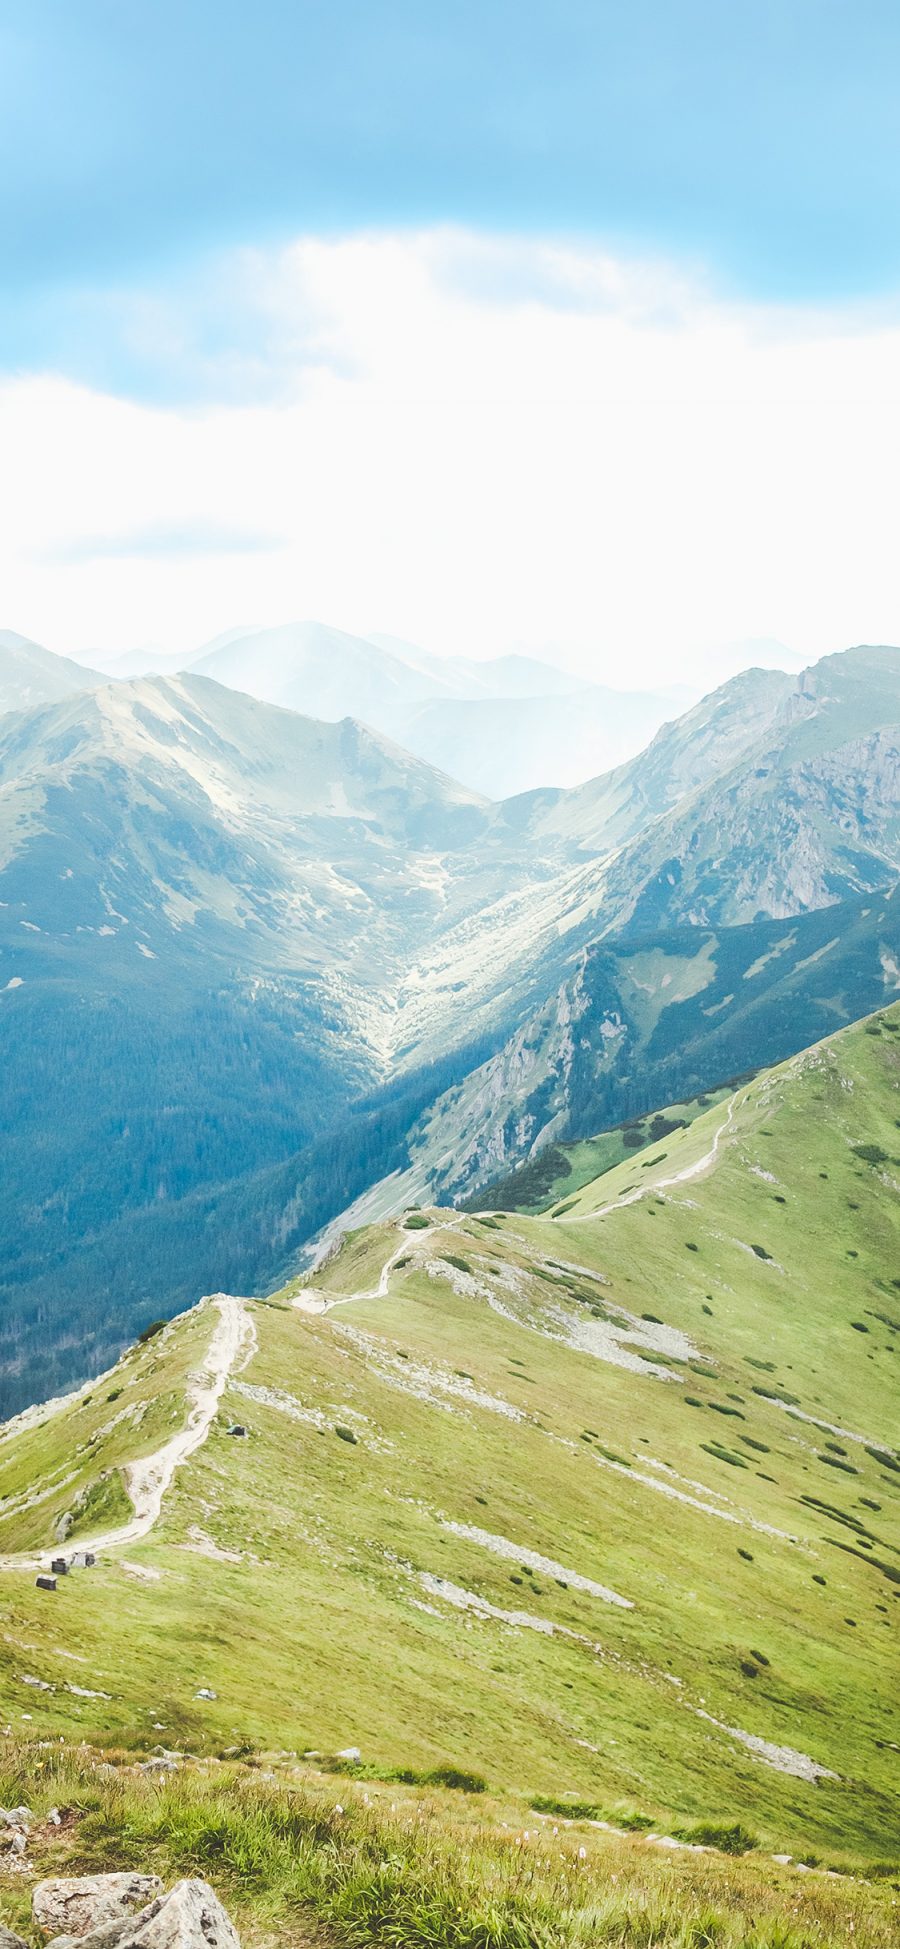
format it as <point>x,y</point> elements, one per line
<point>660,1184</point>
<point>148,1479</point>
<point>315,1299</point>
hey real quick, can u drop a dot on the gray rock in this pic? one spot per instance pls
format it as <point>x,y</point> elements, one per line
<point>10,1941</point>
<point>106,1935</point>
<point>15,1816</point>
<point>190,1917</point>
<point>73,1905</point>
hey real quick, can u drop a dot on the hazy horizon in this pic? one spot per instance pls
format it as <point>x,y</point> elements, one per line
<point>702,667</point>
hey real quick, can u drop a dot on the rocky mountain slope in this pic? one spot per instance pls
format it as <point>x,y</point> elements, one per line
<point>773,798</point>
<point>809,813</point>
<point>30,675</point>
<point>469,1429</point>
<point>648,1020</point>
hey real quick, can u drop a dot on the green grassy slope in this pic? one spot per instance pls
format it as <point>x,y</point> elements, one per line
<point>559,1170</point>
<point>300,1859</point>
<point>687,1403</point>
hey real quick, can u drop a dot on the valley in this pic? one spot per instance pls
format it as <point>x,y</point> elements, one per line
<point>268,971</point>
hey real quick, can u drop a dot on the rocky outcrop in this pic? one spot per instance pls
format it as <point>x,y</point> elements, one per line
<point>130,1912</point>
<point>76,1905</point>
<point>10,1941</point>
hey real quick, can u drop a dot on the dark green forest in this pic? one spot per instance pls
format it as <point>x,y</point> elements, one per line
<point>152,1157</point>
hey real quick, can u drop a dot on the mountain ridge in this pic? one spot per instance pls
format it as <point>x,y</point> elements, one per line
<point>704,1356</point>
<point>31,676</point>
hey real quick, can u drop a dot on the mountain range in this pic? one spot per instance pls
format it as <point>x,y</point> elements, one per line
<point>501,725</point>
<point>255,968</point>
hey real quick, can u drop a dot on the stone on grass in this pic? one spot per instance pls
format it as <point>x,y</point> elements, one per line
<point>349,1753</point>
<point>74,1905</point>
<point>10,1941</point>
<point>189,1917</point>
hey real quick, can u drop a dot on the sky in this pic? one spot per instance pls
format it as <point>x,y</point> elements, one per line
<point>572,327</point>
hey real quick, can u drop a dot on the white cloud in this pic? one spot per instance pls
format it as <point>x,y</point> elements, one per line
<point>473,442</point>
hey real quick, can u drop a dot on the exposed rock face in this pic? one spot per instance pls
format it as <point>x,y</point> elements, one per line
<point>191,1917</point>
<point>130,1912</point>
<point>649,1022</point>
<point>75,1905</point>
<point>10,1941</point>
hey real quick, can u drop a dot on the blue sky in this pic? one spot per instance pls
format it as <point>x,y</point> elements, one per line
<point>570,325</point>
<point>758,139</point>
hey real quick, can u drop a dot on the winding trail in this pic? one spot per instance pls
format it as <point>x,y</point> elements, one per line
<point>231,1346</point>
<point>316,1299</point>
<point>694,1170</point>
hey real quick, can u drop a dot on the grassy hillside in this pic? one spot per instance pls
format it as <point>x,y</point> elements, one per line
<point>601,1507</point>
<point>559,1170</point>
<point>300,1859</point>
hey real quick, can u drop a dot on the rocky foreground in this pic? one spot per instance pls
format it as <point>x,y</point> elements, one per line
<point>126,1911</point>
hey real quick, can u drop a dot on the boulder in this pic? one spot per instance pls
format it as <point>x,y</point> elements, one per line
<point>190,1917</point>
<point>75,1905</point>
<point>105,1936</point>
<point>10,1941</point>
